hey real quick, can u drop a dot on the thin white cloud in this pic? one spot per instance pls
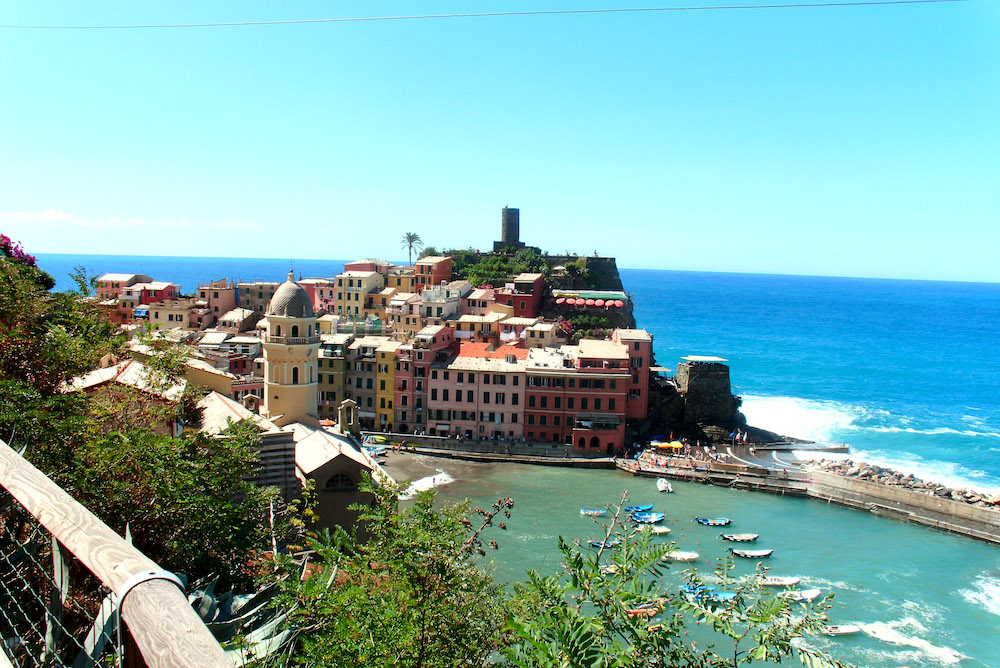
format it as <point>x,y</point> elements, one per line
<point>57,218</point>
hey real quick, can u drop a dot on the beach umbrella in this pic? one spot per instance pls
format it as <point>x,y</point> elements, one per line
<point>599,302</point>
<point>590,302</point>
<point>561,300</point>
<point>619,303</point>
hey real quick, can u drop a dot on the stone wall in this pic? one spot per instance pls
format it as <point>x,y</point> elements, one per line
<point>708,395</point>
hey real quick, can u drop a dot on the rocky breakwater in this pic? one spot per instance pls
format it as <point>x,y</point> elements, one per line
<point>885,476</point>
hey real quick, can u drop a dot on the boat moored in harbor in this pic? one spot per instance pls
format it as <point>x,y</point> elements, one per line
<point>750,554</point>
<point>740,537</point>
<point>714,521</point>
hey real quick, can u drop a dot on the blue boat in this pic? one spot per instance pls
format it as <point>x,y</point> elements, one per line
<point>713,521</point>
<point>592,512</point>
<point>599,543</point>
<point>717,596</point>
<point>648,518</point>
<point>696,589</point>
<point>638,509</point>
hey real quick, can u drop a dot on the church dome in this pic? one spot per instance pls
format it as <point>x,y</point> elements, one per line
<point>290,300</point>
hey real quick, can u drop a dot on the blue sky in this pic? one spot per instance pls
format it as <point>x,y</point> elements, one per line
<point>850,141</point>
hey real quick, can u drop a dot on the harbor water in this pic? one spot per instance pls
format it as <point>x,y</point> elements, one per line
<point>905,372</point>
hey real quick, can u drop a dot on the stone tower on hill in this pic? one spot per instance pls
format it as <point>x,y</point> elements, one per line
<point>291,351</point>
<point>510,230</point>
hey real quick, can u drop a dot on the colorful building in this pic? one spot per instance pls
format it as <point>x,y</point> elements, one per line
<point>432,270</point>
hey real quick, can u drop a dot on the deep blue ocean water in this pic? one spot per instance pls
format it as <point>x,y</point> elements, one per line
<point>906,372</point>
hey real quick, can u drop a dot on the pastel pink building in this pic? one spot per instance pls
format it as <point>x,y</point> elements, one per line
<point>479,393</point>
<point>411,382</point>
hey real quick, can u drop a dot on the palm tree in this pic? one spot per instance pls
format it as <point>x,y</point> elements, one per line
<point>412,240</point>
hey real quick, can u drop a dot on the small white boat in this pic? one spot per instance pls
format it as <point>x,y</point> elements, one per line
<point>842,630</point>
<point>680,555</point>
<point>800,595</point>
<point>659,530</point>
<point>592,512</point>
<point>740,537</point>
<point>750,554</point>
<point>664,485</point>
<point>609,569</point>
<point>781,581</point>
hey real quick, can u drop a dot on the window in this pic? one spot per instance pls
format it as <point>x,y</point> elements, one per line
<point>446,374</point>
<point>572,382</point>
<point>542,420</point>
<point>472,377</point>
<point>381,385</point>
<point>635,346</point>
<point>469,396</point>
<point>514,399</point>
<point>611,404</point>
<point>486,397</point>
<point>597,404</point>
<point>513,417</point>
<point>515,381</point>
<point>444,395</point>
<point>434,394</point>
<point>531,401</point>
<point>434,375</point>
<point>583,403</point>
<point>569,402</point>
<point>461,377</point>
<point>486,379</point>
<point>555,421</point>
<point>545,401</point>
<point>613,383</point>
<point>295,375</point>
<point>500,398</point>
<point>558,402</point>
<point>339,482</point>
<point>531,418</point>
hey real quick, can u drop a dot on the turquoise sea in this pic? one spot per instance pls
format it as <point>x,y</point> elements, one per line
<point>906,372</point>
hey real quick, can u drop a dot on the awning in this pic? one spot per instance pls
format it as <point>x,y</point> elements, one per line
<point>672,445</point>
<point>141,312</point>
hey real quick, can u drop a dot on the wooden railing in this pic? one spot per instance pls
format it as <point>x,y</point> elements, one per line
<point>166,630</point>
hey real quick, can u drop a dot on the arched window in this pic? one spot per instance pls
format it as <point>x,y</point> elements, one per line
<point>295,375</point>
<point>295,331</point>
<point>312,375</point>
<point>340,482</point>
<point>583,442</point>
<point>595,442</point>
<point>277,330</point>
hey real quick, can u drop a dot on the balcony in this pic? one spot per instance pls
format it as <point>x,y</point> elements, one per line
<point>292,340</point>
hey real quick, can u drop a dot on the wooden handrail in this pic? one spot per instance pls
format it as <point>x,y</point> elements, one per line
<point>167,631</point>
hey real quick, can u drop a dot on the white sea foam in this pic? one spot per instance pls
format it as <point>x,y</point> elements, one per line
<point>985,592</point>
<point>424,484</point>
<point>934,432</point>
<point>896,632</point>
<point>800,418</point>
<point>823,583</point>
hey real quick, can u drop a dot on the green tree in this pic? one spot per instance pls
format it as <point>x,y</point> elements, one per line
<point>411,241</point>
<point>414,594</point>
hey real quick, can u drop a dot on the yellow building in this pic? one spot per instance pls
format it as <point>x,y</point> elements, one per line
<point>385,382</point>
<point>402,278</point>
<point>352,292</point>
<point>291,350</point>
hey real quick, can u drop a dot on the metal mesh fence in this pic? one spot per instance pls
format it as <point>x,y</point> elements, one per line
<point>53,612</point>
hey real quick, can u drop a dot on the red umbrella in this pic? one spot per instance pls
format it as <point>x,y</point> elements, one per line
<point>590,302</point>
<point>561,300</point>
<point>619,303</point>
<point>599,302</point>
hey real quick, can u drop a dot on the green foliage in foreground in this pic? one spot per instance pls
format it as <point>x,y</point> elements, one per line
<point>184,499</point>
<point>415,595</point>
<point>412,594</point>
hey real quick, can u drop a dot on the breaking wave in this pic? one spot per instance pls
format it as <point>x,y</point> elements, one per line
<point>896,632</point>
<point>836,422</point>
<point>424,484</point>
<point>985,592</point>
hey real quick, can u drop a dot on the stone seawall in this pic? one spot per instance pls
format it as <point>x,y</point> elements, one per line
<point>907,505</point>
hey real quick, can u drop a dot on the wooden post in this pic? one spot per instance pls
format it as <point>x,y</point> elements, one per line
<point>166,629</point>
